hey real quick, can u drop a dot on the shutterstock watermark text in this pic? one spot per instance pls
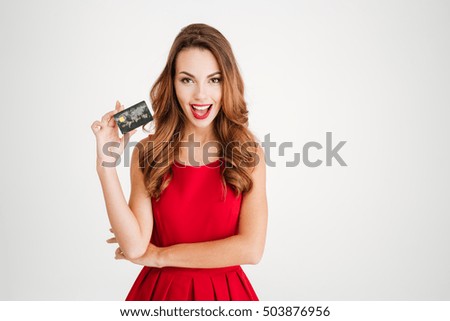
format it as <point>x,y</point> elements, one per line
<point>210,149</point>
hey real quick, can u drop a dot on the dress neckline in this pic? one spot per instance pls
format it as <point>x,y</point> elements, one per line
<point>211,164</point>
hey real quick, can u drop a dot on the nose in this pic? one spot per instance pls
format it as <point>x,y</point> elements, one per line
<point>200,92</point>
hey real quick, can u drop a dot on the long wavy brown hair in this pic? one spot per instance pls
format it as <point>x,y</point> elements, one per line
<point>237,144</point>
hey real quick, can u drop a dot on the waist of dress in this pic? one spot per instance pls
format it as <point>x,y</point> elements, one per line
<point>210,271</point>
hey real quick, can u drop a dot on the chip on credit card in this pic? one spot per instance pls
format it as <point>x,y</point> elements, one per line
<point>133,117</point>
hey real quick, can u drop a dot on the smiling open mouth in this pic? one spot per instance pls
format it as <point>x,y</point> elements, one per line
<point>201,111</point>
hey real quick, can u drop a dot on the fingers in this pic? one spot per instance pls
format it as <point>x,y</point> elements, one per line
<point>111,240</point>
<point>107,117</point>
<point>119,254</point>
<point>119,107</point>
<point>112,122</point>
<point>96,126</point>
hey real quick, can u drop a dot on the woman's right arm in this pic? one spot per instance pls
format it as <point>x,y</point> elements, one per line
<point>132,223</point>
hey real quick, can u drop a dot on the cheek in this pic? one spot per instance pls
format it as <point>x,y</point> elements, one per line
<point>182,95</point>
<point>217,94</point>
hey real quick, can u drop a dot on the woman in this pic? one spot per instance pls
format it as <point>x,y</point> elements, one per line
<point>194,216</point>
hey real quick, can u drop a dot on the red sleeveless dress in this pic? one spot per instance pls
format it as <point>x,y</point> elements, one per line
<point>191,209</point>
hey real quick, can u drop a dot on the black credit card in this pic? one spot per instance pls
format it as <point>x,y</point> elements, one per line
<point>133,117</point>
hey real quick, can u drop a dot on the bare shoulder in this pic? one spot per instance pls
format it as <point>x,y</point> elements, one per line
<point>260,153</point>
<point>258,174</point>
<point>260,162</point>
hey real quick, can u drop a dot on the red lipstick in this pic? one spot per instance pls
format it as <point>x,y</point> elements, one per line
<point>200,111</point>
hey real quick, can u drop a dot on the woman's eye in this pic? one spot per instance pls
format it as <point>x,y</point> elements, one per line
<point>186,80</point>
<point>215,80</point>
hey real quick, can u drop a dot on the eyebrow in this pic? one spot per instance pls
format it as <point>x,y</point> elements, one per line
<point>190,75</point>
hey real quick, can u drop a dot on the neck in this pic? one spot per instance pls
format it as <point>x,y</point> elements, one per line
<point>201,135</point>
<point>197,142</point>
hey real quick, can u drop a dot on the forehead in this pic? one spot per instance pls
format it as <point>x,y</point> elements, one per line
<point>196,61</point>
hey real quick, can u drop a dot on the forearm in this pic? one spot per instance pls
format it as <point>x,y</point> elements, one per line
<point>234,250</point>
<point>124,224</point>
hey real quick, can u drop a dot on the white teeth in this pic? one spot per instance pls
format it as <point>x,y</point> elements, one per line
<point>201,108</point>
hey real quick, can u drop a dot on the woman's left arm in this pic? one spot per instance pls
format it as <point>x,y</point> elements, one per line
<point>246,247</point>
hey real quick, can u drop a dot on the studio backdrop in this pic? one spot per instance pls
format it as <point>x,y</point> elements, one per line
<point>350,99</point>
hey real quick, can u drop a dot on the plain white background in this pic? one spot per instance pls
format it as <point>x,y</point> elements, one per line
<point>374,73</point>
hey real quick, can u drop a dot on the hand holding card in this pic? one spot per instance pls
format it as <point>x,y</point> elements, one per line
<point>133,117</point>
<point>109,145</point>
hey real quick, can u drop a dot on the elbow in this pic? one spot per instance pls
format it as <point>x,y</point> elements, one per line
<point>134,253</point>
<point>255,256</point>
<point>252,250</point>
<point>255,259</point>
